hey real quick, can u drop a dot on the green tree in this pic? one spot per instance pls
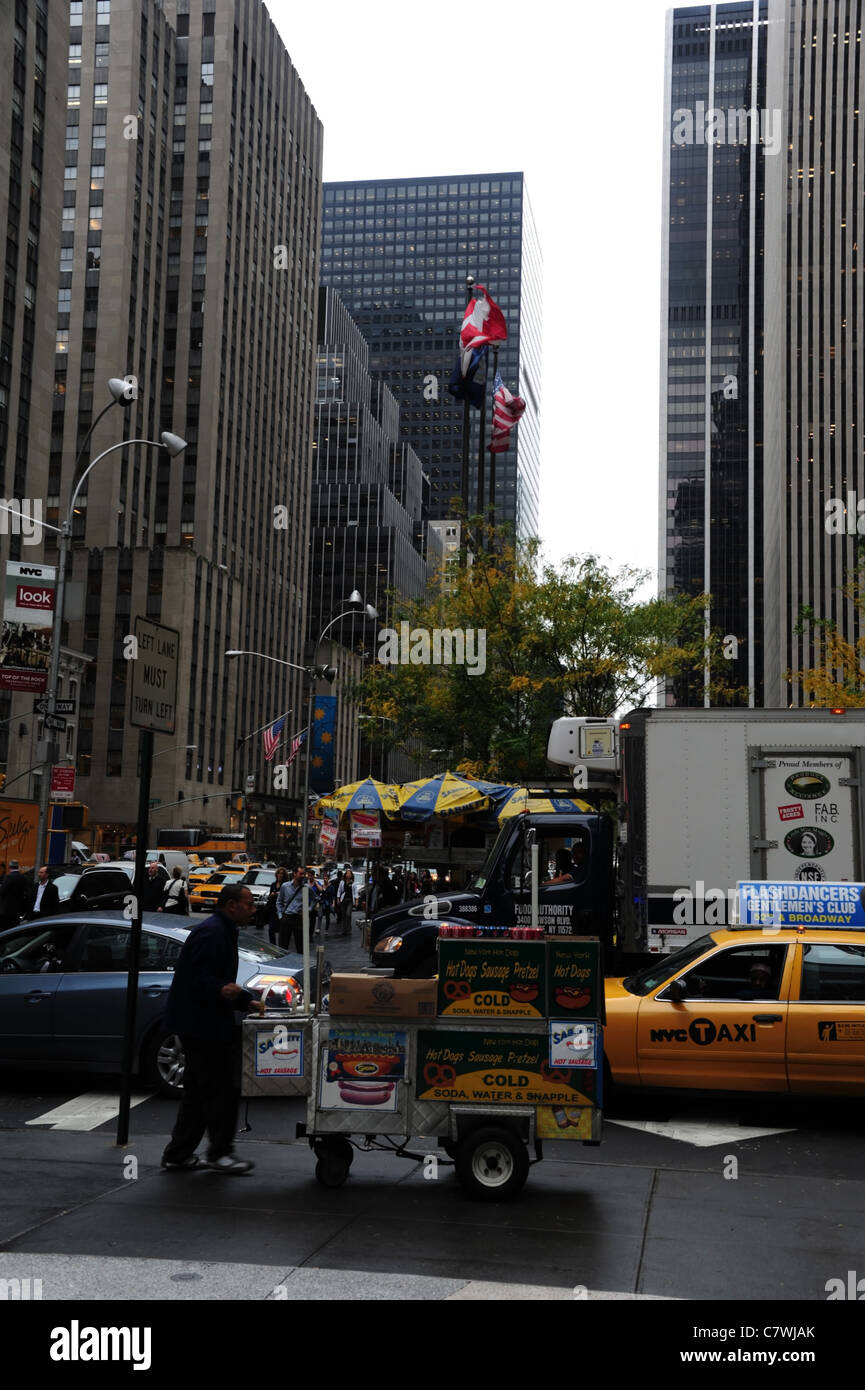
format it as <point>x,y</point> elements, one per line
<point>576,639</point>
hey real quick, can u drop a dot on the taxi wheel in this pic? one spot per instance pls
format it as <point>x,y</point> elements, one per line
<point>492,1164</point>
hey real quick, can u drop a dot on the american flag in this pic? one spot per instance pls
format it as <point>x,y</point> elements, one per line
<point>271,737</point>
<point>507,410</point>
<point>295,745</point>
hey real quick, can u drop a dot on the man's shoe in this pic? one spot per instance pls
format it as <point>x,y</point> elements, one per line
<point>230,1163</point>
<point>192,1162</point>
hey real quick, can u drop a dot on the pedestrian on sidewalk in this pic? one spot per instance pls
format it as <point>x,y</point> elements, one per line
<point>202,1009</point>
<point>345,902</point>
<point>289,910</point>
<point>270,910</point>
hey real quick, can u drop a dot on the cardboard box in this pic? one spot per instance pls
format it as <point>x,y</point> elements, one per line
<point>491,979</point>
<point>382,997</point>
<point>574,977</point>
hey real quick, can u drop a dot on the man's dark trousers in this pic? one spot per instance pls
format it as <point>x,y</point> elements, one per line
<point>211,1099</point>
<point>291,926</point>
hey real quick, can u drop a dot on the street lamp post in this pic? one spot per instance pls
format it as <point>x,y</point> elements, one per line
<point>174,445</point>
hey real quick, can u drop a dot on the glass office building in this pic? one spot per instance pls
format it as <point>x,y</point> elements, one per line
<point>712,328</point>
<point>399,252</point>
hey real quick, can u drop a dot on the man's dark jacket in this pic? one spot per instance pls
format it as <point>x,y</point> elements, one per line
<point>50,901</point>
<point>16,896</point>
<point>207,961</point>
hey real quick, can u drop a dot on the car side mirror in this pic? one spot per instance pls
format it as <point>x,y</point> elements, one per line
<point>678,991</point>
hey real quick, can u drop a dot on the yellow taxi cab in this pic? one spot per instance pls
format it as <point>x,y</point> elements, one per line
<point>203,894</point>
<point>745,1009</point>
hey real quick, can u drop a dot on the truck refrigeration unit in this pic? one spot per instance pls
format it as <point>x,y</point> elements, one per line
<point>711,797</point>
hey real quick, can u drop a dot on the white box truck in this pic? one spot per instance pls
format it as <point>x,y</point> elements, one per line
<point>708,798</point>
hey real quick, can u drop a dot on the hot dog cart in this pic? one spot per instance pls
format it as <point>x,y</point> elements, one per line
<point>502,1051</point>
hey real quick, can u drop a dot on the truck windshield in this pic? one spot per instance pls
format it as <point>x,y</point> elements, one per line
<point>651,976</point>
<point>480,880</point>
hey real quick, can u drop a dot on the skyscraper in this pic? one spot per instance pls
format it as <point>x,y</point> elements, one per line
<point>188,252</point>
<point>399,251</point>
<point>366,530</point>
<point>712,327</point>
<point>762,324</point>
<point>32,116</point>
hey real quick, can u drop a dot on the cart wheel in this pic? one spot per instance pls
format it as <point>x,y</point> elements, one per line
<point>334,1161</point>
<point>492,1164</point>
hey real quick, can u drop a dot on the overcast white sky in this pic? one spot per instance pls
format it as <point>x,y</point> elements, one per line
<point>571,93</point>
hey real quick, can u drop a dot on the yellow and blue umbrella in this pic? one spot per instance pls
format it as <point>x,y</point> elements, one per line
<point>522,800</point>
<point>368,795</point>
<point>445,795</point>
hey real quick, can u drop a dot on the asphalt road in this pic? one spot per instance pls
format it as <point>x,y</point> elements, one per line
<point>685,1199</point>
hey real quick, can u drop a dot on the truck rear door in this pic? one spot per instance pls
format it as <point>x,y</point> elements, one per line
<point>806,816</point>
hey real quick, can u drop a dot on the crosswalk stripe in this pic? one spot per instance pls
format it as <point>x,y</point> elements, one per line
<point>86,1112</point>
<point>703,1134</point>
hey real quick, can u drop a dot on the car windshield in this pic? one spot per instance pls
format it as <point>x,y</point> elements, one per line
<point>651,976</point>
<point>260,876</point>
<point>250,948</point>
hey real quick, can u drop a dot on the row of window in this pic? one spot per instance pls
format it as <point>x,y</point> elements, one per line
<point>433,190</point>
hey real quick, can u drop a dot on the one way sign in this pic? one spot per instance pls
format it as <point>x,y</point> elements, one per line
<point>60,706</point>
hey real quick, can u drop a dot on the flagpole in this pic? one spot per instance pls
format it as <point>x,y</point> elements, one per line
<point>464,476</point>
<point>482,441</point>
<point>492,455</point>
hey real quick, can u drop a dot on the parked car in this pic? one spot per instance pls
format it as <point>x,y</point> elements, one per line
<point>63,992</point>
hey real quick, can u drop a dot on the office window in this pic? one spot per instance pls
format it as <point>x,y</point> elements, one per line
<point>73,95</point>
<point>100,94</point>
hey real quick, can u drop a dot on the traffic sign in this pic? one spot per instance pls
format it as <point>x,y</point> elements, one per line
<point>153,703</point>
<point>40,706</point>
<point>55,721</point>
<point>62,783</point>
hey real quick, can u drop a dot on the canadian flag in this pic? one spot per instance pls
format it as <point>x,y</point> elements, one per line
<point>484,323</point>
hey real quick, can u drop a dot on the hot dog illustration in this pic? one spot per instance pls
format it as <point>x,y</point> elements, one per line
<point>365,1093</point>
<point>568,997</point>
<point>524,994</point>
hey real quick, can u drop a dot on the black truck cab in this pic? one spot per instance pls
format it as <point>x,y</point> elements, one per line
<point>403,937</point>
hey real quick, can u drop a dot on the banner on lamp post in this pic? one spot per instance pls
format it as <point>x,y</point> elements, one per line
<point>28,617</point>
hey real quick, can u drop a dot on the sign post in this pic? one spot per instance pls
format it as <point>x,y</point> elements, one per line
<point>152,709</point>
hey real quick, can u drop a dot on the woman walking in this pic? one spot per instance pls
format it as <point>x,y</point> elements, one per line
<point>270,908</point>
<point>175,899</point>
<point>345,901</point>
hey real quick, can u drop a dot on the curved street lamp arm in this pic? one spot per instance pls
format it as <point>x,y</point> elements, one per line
<point>124,444</point>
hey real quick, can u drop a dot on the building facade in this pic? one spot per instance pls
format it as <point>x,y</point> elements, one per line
<point>762,324</point>
<point>399,252</point>
<point>188,248</point>
<point>712,330</point>
<point>33,40</point>
<point>366,515</point>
